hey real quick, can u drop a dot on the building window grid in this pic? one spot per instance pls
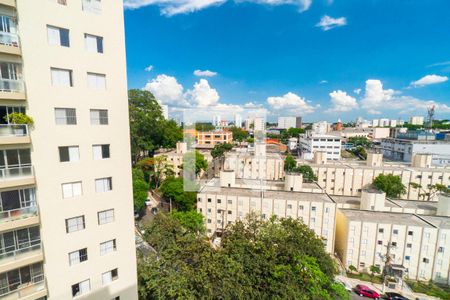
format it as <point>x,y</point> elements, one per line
<point>75,224</point>
<point>108,247</point>
<point>105,217</point>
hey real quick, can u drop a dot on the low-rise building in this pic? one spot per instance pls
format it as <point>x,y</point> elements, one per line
<point>311,142</point>
<point>416,120</point>
<point>226,199</point>
<point>212,138</point>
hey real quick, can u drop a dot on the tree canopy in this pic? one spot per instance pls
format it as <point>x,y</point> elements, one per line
<point>390,184</point>
<point>257,259</point>
<point>140,189</point>
<point>173,188</point>
<point>220,149</point>
<point>197,160</point>
<point>290,163</point>
<point>239,134</point>
<point>149,130</point>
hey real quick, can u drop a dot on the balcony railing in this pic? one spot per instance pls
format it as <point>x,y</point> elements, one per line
<point>16,254</point>
<point>17,214</point>
<point>9,39</point>
<point>9,130</point>
<point>25,289</point>
<point>92,6</point>
<point>11,85</point>
<point>11,173</point>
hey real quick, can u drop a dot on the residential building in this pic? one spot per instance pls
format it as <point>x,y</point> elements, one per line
<point>224,200</point>
<point>416,120</point>
<point>259,124</point>
<point>349,178</point>
<point>238,121</point>
<point>212,138</point>
<point>287,122</point>
<point>311,142</point>
<point>298,122</point>
<point>419,244</point>
<point>322,127</point>
<point>373,133</point>
<point>403,149</point>
<point>66,206</point>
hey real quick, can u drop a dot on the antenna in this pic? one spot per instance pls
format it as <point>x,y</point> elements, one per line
<point>431,110</point>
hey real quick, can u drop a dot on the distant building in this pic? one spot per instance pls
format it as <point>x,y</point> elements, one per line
<point>287,122</point>
<point>293,143</point>
<point>311,142</point>
<point>321,127</point>
<point>416,120</point>
<point>212,138</point>
<point>237,120</point>
<point>217,120</point>
<point>165,111</point>
<point>298,122</point>
<point>339,126</point>
<point>259,124</point>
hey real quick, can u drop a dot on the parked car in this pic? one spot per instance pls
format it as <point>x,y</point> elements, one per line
<point>365,291</point>
<point>394,296</point>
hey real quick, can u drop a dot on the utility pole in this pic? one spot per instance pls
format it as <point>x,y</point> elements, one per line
<point>387,269</point>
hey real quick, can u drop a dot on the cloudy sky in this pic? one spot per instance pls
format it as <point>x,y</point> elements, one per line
<point>321,59</point>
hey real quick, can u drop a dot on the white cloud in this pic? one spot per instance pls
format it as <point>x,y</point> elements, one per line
<point>342,102</point>
<point>375,96</point>
<point>205,73</point>
<point>202,94</point>
<point>174,7</point>
<point>327,22</point>
<point>166,90</point>
<point>429,79</point>
<point>292,102</point>
<point>357,91</point>
<point>323,81</point>
<point>148,68</point>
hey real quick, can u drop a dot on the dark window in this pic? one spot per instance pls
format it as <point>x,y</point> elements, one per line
<point>64,36</point>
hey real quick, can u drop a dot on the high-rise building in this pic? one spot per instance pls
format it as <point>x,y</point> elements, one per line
<point>286,122</point>
<point>416,120</point>
<point>66,209</point>
<point>298,122</point>
<point>238,121</point>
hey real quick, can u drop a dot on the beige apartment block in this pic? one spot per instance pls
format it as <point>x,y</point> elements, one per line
<point>66,209</point>
<point>212,138</point>
<point>226,199</point>
<point>419,244</point>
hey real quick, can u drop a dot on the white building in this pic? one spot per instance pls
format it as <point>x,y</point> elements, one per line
<point>224,200</point>
<point>238,121</point>
<point>310,142</point>
<point>287,122</point>
<point>416,120</point>
<point>321,127</point>
<point>66,201</point>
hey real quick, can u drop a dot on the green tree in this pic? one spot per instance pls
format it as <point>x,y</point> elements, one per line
<point>191,220</point>
<point>156,168</point>
<point>140,189</point>
<point>149,130</point>
<point>308,173</point>
<point>197,160</point>
<point>239,134</point>
<point>352,268</point>
<point>173,188</point>
<point>390,184</point>
<point>290,163</point>
<point>431,191</point>
<point>220,149</point>
<point>204,126</point>
<point>374,269</point>
<point>257,259</point>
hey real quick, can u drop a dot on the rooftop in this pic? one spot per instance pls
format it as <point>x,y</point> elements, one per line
<point>413,204</point>
<point>385,217</point>
<point>438,221</point>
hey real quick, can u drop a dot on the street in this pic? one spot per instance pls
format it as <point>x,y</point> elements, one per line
<point>354,296</point>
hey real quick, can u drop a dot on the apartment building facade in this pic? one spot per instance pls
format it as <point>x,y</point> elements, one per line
<point>311,142</point>
<point>66,226</point>
<point>212,138</point>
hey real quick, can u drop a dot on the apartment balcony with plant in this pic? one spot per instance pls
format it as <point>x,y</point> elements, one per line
<point>19,248</point>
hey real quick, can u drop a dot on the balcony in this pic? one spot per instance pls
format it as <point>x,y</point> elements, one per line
<point>9,43</point>
<point>16,176</point>
<point>12,89</point>
<point>21,217</point>
<point>11,3</point>
<point>34,289</point>
<point>14,134</point>
<point>21,257</point>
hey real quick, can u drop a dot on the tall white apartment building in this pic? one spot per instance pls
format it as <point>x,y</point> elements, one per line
<point>416,120</point>
<point>287,122</point>
<point>310,143</point>
<point>238,120</point>
<point>66,209</point>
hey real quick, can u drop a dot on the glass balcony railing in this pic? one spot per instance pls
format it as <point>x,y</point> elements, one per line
<point>11,173</point>
<point>20,253</point>
<point>10,130</point>
<point>9,39</point>
<point>18,214</point>
<point>11,85</point>
<point>22,290</point>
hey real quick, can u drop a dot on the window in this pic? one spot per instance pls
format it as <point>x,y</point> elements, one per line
<point>362,265</point>
<point>440,249</point>
<point>81,288</point>
<point>109,276</point>
<point>395,231</point>
<point>92,6</point>
<point>381,230</point>
<point>410,233</point>
<point>106,216</point>
<point>58,36</point>
<point>108,247</point>
<point>65,116</point>
<point>394,244</point>
<point>289,206</point>
<point>99,117</point>
<point>300,207</point>
<point>75,224</point>
<point>380,242</point>
<point>93,43</point>
<point>407,257</point>
<point>313,208</point>
<point>78,256</point>
<point>219,201</point>
<point>230,212</point>
<point>62,2</point>
<point>72,189</point>
<point>96,81</point>
<point>69,153</point>
<point>103,185</point>
<point>230,201</point>
<point>61,77</point>
<point>100,152</point>
<point>425,260</point>
<point>209,200</point>
<point>408,245</point>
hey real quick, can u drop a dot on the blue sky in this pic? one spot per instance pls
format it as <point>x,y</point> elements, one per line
<point>368,58</point>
